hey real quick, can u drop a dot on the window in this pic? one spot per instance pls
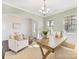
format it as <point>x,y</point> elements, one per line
<point>34,28</point>
<point>50,25</point>
<point>70,24</point>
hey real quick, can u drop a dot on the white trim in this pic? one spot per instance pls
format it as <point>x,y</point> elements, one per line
<point>20,8</point>
<point>4,2</point>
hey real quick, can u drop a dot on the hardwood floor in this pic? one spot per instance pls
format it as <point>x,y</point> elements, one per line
<point>35,53</point>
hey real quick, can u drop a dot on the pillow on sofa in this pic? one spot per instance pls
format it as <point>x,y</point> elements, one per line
<point>17,36</point>
<point>21,37</point>
<point>14,36</point>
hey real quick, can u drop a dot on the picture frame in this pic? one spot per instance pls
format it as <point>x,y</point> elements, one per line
<point>16,25</point>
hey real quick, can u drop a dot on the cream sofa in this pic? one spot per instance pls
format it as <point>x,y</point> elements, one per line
<point>16,45</point>
<point>17,42</point>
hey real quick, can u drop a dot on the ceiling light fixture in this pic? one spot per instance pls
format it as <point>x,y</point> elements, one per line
<point>44,10</point>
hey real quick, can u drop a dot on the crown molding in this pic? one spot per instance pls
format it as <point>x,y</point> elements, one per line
<point>27,11</point>
<point>30,12</point>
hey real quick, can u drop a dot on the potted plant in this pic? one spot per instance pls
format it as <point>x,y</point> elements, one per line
<point>45,38</point>
<point>45,34</point>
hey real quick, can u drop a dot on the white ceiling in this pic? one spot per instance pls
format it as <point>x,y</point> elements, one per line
<point>33,6</point>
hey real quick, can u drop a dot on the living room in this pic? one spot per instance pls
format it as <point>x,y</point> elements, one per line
<point>26,23</point>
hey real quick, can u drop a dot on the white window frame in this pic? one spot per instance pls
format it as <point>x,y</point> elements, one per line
<point>50,26</point>
<point>70,22</point>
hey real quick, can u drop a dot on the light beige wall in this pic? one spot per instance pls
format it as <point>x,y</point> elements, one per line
<point>59,18</point>
<point>59,23</point>
<point>11,15</point>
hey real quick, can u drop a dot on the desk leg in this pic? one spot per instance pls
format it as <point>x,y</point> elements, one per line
<point>42,51</point>
<point>47,53</point>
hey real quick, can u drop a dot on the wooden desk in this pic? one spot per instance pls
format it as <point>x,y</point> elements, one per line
<point>51,46</point>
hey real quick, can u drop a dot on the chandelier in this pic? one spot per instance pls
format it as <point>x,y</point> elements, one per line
<point>44,10</point>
